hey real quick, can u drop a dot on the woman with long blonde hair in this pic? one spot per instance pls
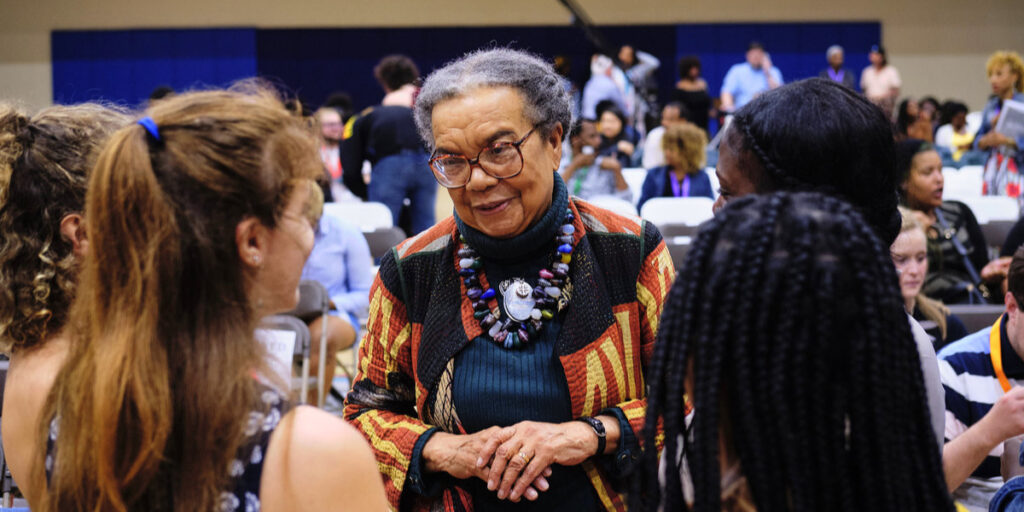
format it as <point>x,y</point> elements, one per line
<point>199,224</point>
<point>910,256</point>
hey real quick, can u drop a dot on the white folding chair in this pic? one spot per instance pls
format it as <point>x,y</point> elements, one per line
<point>614,204</point>
<point>993,208</point>
<point>635,177</point>
<point>285,338</point>
<point>959,184</point>
<point>710,171</point>
<point>974,123</point>
<point>368,216</point>
<point>689,211</point>
<point>975,171</point>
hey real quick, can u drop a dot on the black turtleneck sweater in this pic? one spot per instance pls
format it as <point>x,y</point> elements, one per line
<point>495,386</point>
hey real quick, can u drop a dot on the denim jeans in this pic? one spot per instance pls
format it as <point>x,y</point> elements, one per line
<point>405,175</point>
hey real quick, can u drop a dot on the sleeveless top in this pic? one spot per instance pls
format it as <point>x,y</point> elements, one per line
<point>246,470</point>
<point>697,102</point>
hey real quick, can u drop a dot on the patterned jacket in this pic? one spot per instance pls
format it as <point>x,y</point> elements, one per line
<point>621,273</point>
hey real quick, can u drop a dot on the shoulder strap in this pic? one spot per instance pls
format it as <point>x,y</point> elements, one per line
<point>950,235</point>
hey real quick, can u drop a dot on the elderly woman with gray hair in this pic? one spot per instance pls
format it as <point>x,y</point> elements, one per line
<point>505,355</point>
<point>835,70</point>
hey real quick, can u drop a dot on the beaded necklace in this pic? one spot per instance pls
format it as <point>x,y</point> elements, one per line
<point>527,308</point>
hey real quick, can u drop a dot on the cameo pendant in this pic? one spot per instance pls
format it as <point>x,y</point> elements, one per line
<point>518,299</point>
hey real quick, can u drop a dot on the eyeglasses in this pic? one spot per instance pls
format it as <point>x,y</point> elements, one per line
<point>501,160</point>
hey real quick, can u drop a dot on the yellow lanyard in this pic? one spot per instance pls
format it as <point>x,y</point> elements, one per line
<point>996,352</point>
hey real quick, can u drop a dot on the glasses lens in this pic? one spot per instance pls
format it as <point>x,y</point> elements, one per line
<point>450,171</point>
<point>502,160</point>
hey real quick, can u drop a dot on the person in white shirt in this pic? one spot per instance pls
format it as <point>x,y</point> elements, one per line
<point>672,113</point>
<point>881,82</point>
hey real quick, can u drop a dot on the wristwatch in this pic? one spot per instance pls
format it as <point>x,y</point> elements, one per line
<point>598,429</point>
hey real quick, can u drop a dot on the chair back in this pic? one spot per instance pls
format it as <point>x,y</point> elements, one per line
<point>996,231</point>
<point>368,216</point>
<point>690,211</point>
<point>678,246</point>
<point>976,316</point>
<point>381,240</point>
<point>313,301</point>
<point>993,208</point>
<point>635,177</point>
<point>961,184</point>
<point>284,337</point>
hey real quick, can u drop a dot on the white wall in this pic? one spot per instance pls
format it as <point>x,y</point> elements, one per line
<point>940,46</point>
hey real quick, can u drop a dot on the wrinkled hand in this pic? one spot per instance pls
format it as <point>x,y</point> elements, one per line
<point>1006,418</point>
<point>457,455</point>
<point>541,445</point>
<point>996,269</point>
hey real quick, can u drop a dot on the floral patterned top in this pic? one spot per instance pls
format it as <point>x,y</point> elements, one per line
<point>246,470</point>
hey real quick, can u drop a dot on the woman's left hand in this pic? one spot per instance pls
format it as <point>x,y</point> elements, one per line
<point>626,147</point>
<point>529,448</point>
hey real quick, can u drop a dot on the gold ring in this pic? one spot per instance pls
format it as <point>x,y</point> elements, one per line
<point>526,459</point>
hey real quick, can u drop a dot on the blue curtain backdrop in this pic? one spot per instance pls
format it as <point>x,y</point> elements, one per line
<point>124,66</point>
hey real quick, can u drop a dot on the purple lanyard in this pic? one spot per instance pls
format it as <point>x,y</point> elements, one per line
<point>681,189</point>
<point>836,77</point>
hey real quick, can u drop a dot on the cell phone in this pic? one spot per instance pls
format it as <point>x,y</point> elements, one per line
<point>587,150</point>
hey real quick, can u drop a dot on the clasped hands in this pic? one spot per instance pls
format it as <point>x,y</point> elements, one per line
<point>515,461</point>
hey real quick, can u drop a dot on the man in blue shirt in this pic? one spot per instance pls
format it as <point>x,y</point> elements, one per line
<point>747,79</point>
<point>341,262</point>
<point>982,376</point>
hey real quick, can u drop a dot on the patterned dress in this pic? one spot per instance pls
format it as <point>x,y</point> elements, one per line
<point>243,493</point>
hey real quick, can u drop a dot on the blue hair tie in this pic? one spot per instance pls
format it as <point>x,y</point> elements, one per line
<point>150,125</point>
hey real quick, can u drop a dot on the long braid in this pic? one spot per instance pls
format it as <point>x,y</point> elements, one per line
<point>788,312</point>
<point>666,358</point>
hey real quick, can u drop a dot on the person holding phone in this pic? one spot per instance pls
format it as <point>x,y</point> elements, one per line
<point>746,80</point>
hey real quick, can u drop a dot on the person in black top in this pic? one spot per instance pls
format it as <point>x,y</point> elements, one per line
<point>386,136</point>
<point>692,91</point>
<point>957,256</point>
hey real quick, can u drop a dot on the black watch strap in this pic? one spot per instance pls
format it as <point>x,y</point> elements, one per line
<point>598,429</point>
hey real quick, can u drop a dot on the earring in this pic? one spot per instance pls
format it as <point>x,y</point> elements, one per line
<point>256,260</point>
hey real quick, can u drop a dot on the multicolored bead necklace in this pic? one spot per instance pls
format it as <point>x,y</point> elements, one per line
<point>527,308</point>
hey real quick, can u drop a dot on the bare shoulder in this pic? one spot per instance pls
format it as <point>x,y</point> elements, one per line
<point>316,461</point>
<point>30,376</point>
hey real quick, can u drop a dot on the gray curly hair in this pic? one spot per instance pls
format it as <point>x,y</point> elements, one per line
<point>546,100</point>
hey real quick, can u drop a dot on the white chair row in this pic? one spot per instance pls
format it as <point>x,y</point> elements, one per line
<point>368,216</point>
<point>962,183</point>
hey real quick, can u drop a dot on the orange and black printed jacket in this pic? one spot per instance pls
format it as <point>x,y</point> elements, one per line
<point>419,320</point>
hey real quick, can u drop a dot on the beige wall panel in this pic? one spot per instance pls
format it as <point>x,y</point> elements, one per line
<point>939,45</point>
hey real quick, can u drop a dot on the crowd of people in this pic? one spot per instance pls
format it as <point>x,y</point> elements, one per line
<point>532,351</point>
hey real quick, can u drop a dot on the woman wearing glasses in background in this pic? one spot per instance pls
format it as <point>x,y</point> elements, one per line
<point>504,360</point>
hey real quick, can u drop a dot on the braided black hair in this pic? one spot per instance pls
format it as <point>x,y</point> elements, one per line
<point>788,319</point>
<point>816,135</point>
